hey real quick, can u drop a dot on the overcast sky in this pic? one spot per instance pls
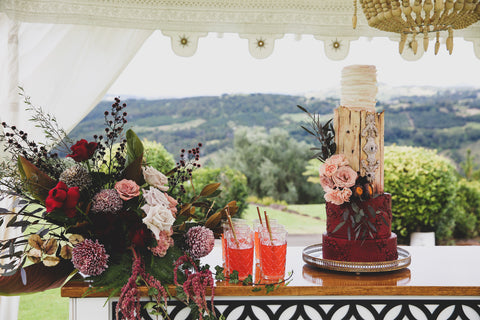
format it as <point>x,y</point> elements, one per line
<point>224,65</point>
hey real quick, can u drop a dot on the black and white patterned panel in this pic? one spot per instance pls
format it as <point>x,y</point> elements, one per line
<point>440,309</point>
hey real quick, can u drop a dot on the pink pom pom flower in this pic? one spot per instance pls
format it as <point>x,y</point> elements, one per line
<point>200,241</point>
<point>90,258</point>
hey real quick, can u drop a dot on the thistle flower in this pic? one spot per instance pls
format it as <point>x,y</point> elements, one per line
<point>200,241</point>
<point>107,201</point>
<point>76,176</point>
<point>90,257</point>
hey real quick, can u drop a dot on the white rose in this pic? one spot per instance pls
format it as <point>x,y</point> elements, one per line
<point>155,197</point>
<point>158,219</point>
<point>155,178</point>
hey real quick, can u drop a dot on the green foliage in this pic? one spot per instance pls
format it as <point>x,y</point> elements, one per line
<point>158,157</point>
<point>233,186</point>
<point>468,209</point>
<point>273,164</point>
<point>266,201</point>
<point>423,187</point>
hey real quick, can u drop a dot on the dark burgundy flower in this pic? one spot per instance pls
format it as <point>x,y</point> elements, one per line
<point>141,236</point>
<point>82,150</point>
<point>64,198</point>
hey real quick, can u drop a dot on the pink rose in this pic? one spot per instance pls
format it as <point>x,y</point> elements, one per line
<point>327,169</point>
<point>127,189</point>
<point>155,178</point>
<point>334,196</point>
<point>346,193</point>
<point>344,177</point>
<point>172,204</point>
<point>338,159</point>
<point>326,182</point>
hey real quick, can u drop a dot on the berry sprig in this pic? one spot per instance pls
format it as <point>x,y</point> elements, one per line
<point>189,161</point>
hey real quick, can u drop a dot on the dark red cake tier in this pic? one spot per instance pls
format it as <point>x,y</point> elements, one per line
<point>381,220</point>
<point>360,251</point>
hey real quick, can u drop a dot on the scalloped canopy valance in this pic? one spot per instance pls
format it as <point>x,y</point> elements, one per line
<point>262,22</point>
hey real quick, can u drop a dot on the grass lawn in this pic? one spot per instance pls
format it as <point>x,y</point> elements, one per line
<point>47,305</point>
<point>295,224</point>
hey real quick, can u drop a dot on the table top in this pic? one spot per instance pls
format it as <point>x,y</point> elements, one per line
<point>434,271</point>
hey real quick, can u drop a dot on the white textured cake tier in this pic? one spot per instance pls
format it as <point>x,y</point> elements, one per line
<point>359,87</point>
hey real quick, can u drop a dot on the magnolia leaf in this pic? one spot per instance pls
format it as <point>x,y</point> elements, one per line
<point>134,158</point>
<point>209,189</point>
<point>38,182</point>
<point>34,259</point>
<point>40,278</point>
<point>214,220</point>
<point>338,226</point>
<point>50,246</point>
<point>134,147</point>
<point>23,275</point>
<point>184,208</point>
<point>35,241</point>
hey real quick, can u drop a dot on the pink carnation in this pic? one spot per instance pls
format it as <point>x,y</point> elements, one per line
<point>127,189</point>
<point>346,194</point>
<point>344,177</point>
<point>164,241</point>
<point>334,196</point>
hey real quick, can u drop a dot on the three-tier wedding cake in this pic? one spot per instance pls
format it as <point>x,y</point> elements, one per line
<point>359,212</point>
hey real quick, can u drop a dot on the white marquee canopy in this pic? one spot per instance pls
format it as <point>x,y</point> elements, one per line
<point>67,53</point>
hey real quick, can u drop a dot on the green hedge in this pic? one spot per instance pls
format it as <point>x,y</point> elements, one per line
<point>423,187</point>
<point>158,157</point>
<point>468,213</point>
<point>233,186</point>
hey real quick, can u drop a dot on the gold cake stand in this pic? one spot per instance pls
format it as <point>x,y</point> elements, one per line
<point>313,255</point>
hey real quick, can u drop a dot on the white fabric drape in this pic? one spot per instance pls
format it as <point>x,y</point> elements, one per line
<point>8,305</point>
<point>66,69</point>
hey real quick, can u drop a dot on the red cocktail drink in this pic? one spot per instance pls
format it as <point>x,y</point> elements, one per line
<point>240,251</point>
<point>273,260</point>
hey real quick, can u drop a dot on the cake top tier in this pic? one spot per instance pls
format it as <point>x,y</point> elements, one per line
<point>359,87</point>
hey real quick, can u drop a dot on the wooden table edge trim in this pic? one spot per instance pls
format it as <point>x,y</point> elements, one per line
<point>79,291</point>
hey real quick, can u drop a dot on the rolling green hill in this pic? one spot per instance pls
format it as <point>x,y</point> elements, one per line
<point>448,121</point>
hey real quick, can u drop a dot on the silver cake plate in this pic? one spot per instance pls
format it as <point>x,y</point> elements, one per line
<point>313,255</point>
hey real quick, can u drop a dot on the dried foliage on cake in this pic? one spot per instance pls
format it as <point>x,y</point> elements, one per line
<point>103,211</point>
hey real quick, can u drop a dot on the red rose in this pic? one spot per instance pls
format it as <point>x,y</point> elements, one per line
<point>63,197</point>
<point>82,150</point>
<point>140,236</point>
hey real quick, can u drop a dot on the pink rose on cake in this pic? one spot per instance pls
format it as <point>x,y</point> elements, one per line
<point>336,178</point>
<point>344,177</point>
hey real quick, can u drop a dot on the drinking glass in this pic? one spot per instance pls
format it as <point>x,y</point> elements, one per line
<point>273,252</point>
<point>240,250</point>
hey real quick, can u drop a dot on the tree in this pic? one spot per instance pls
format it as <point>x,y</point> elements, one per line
<point>273,164</point>
<point>471,170</point>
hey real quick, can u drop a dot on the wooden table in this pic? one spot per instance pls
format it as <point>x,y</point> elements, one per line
<point>440,283</point>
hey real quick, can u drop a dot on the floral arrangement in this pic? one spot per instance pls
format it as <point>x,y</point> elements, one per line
<point>103,211</point>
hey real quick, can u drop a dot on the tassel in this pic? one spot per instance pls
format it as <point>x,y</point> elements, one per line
<point>425,41</point>
<point>354,18</point>
<point>450,41</point>
<point>401,45</point>
<point>414,44</point>
<point>437,43</point>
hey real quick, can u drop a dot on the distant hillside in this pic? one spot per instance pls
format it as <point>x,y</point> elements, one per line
<point>448,120</point>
